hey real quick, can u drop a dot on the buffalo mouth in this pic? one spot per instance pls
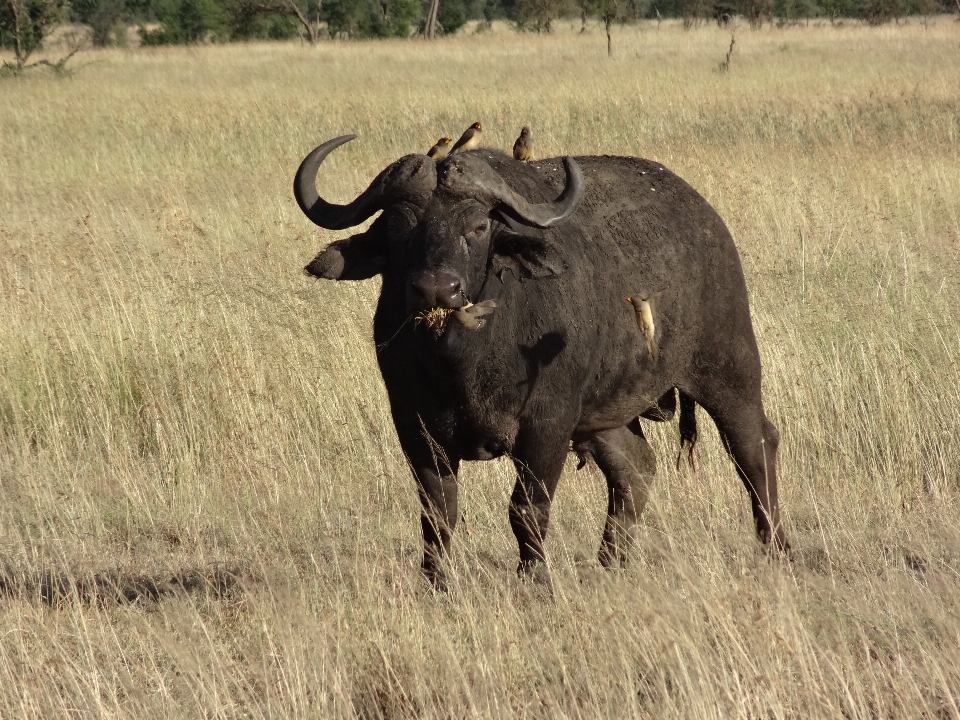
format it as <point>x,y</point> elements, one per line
<point>434,320</point>
<point>472,316</point>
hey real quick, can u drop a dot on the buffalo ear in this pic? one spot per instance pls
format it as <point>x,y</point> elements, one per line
<point>358,257</point>
<point>526,255</point>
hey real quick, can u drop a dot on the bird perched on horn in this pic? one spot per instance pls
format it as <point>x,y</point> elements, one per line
<point>645,305</point>
<point>470,139</point>
<point>523,147</point>
<point>439,151</point>
<point>472,316</point>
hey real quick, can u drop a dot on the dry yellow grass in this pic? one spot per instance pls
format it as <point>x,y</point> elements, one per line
<point>185,417</point>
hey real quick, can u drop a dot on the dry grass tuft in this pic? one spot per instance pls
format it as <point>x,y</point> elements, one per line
<point>179,404</point>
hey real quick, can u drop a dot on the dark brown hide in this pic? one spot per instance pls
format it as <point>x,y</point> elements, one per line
<point>562,360</point>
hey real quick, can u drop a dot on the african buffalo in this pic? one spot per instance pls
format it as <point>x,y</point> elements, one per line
<point>561,360</point>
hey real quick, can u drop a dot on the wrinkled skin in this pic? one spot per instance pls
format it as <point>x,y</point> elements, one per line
<point>561,363</point>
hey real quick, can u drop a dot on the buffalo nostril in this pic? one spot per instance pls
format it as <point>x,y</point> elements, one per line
<point>423,284</point>
<point>429,289</point>
<point>423,290</point>
<point>449,292</point>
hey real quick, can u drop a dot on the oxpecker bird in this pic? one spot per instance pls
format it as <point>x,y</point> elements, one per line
<point>523,147</point>
<point>469,140</point>
<point>439,151</point>
<point>472,316</point>
<point>645,306</point>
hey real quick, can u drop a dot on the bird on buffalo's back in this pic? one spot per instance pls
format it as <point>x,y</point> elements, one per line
<point>645,305</point>
<point>439,151</point>
<point>469,140</point>
<point>523,147</point>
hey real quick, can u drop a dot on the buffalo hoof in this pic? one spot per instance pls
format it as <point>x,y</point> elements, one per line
<point>610,559</point>
<point>536,572</point>
<point>434,573</point>
<point>776,542</point>
<point>618,547</point>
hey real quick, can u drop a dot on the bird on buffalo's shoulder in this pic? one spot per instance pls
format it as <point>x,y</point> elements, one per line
<point>523,147</point>
<point>439,151</point>
<point>469,140</point>
<point>645,305</point>
<point>472,316</point>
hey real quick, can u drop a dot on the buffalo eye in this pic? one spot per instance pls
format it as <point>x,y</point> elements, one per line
<point>480,229</point>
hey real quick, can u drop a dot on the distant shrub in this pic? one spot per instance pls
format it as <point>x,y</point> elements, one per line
<point>451,15</point>
<point>758,12</point>
<point>877,12</point>
<point>792,11</point>
<point>255,20</point>
<point>105,18</point>
<point>371,18</point>
<point>538,15</point>
<point>186,21</point>
<point>693,12</point>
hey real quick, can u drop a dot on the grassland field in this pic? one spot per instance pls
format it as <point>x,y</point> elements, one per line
<point>204,512</point>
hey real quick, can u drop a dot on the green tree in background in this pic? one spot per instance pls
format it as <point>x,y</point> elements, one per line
<point>186,21</point>
<point>538,15</point>
<point>256,20</point>
<point>371,18</point>
<point>794,11</point>
<point>24,24</point>
<point>106,19</point>
<point>307,15</point>
<point>451,15</point>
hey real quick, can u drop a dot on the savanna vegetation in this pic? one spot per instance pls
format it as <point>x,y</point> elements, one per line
<point>23,23</point>
<point>205,512</point>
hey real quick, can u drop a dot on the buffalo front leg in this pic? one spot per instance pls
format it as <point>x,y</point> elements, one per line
<point>539,462</point>
<point>436,474</point>
<point>437,486</point>
<point>628,464</point>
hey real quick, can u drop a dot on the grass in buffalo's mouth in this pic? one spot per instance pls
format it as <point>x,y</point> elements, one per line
<point>435,319</point>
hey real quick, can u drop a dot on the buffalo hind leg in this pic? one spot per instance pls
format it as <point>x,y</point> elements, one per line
<point>436,474</point>
<point>688,429</point>
<point>539,462</point>
<point>627,462</point>
<point>752,442</point>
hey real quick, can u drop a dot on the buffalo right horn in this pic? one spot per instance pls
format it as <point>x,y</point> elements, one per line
<point>410,177</point>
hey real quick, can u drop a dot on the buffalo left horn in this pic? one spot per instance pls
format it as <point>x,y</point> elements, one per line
<point>410,177</point>
<point>470,176</point>
<point>544,215</point>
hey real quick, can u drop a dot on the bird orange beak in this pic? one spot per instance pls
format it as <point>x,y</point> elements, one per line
<point>628,299</point>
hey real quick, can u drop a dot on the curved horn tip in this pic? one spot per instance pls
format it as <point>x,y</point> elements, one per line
<point>340,140</point>
<point>573,168</point>
<point>572,194</point>
<point>343,139</point>
<point>329,146</point>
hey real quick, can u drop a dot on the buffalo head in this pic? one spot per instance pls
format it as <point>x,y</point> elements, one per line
<point>443,227</point>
